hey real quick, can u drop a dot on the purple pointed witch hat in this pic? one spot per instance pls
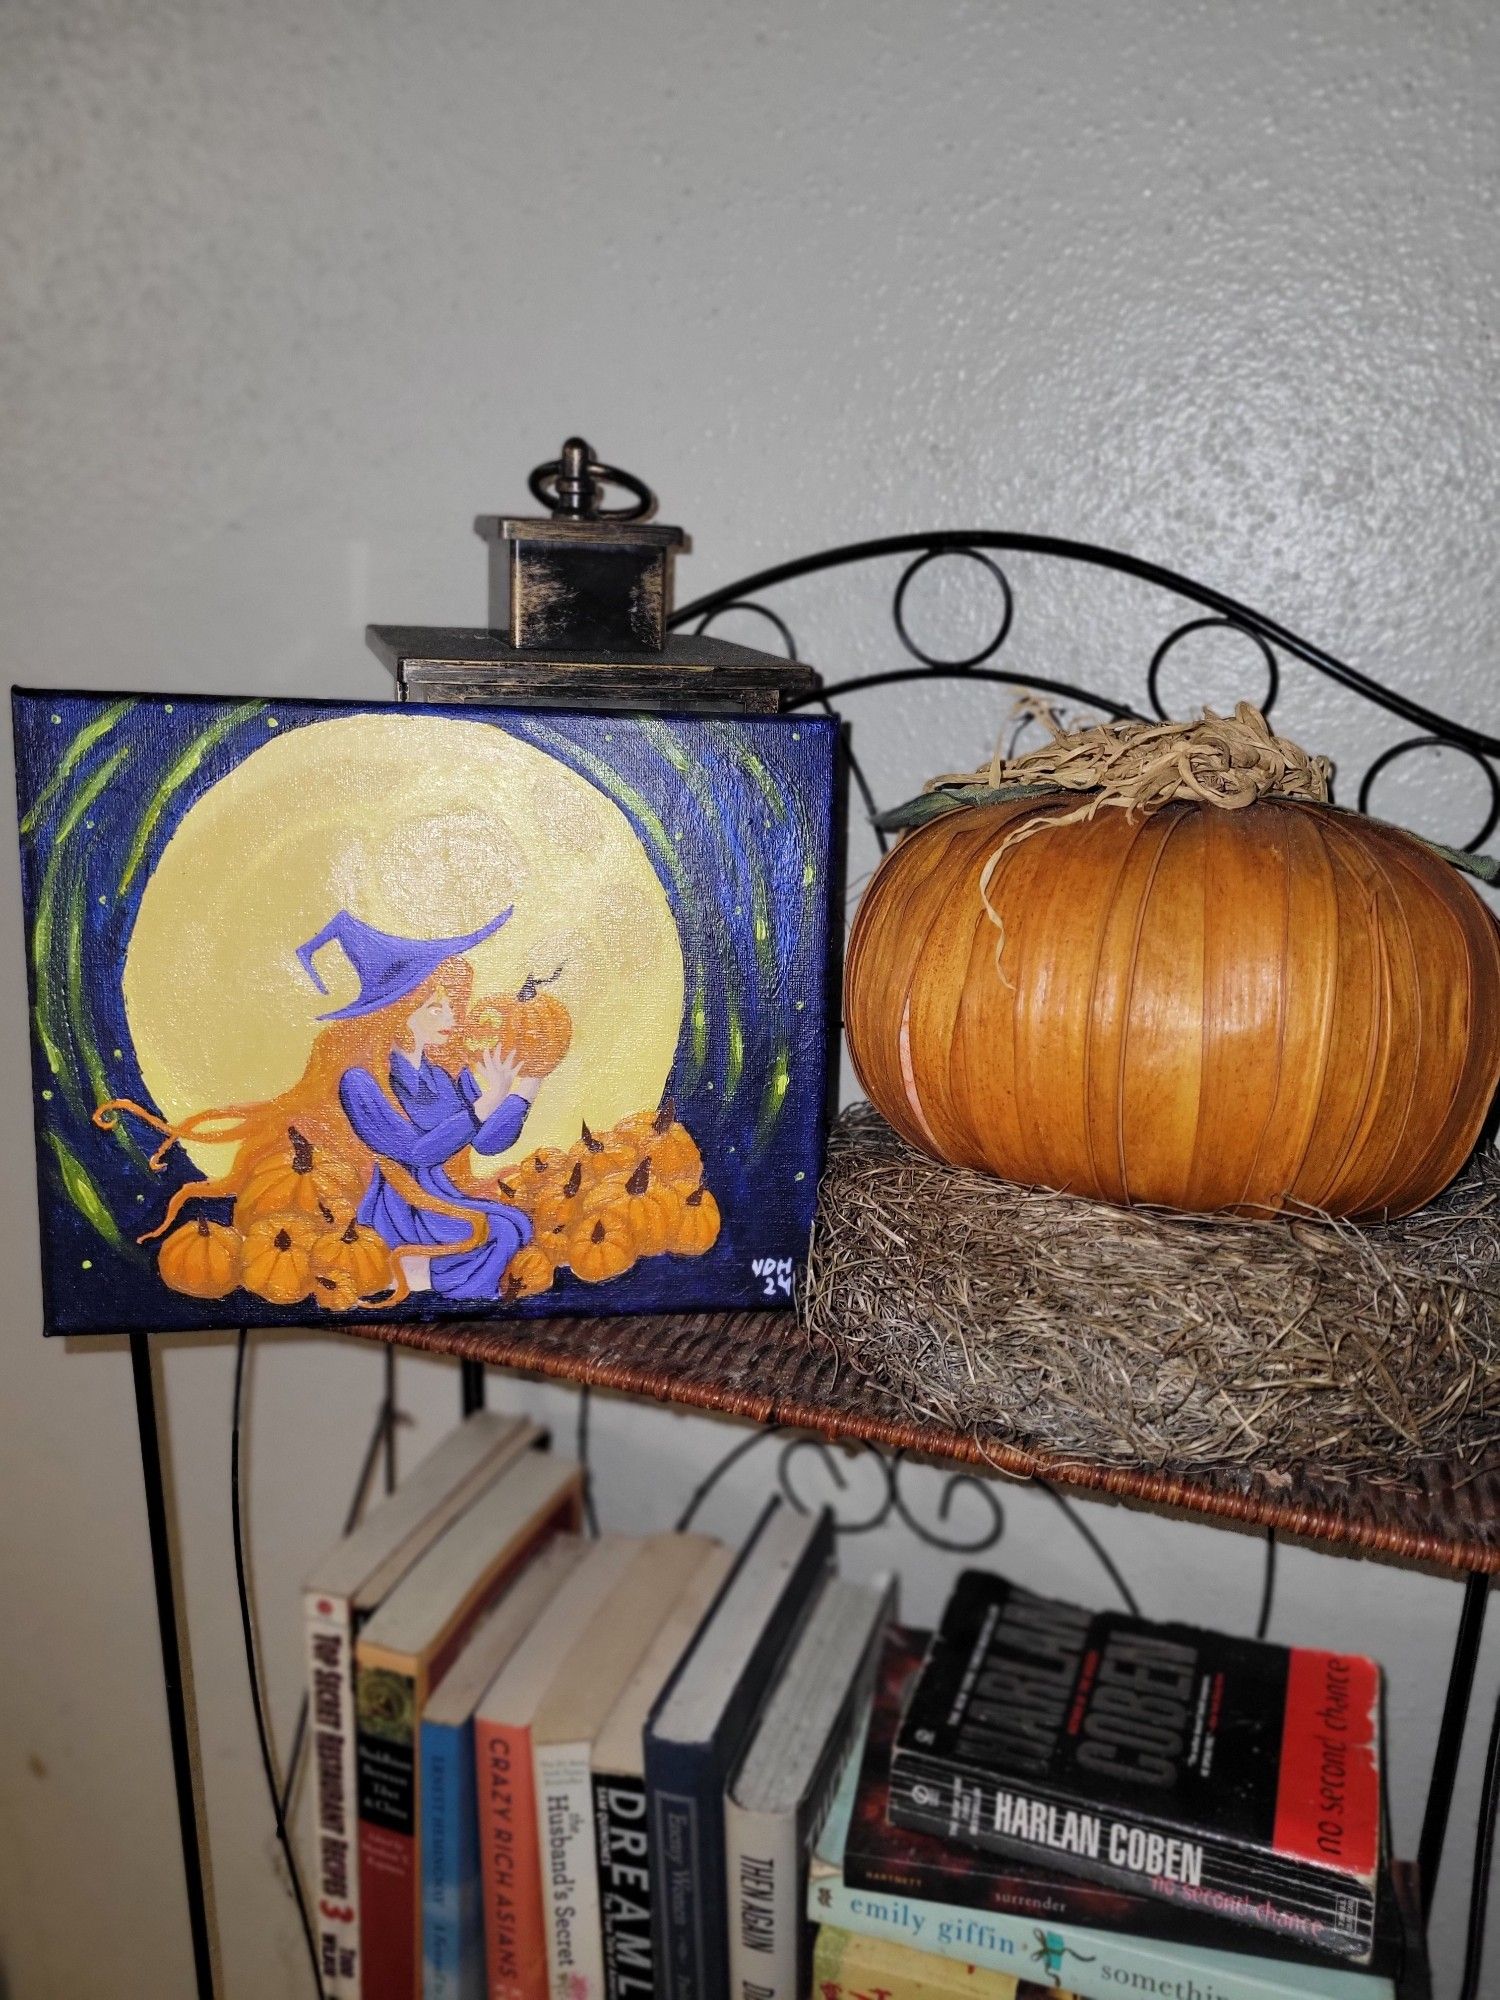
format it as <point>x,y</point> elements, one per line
<point>388,967</point>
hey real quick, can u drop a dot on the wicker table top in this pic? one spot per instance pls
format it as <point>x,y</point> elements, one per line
<point>763,1367</point>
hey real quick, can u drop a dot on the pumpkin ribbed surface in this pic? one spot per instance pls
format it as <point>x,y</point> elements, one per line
<point>1281,1005</point>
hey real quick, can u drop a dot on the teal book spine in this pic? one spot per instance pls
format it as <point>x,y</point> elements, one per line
<point>1095,1965</point>
<point>452,1925</point>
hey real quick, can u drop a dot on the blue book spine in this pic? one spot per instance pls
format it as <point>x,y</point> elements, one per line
<point>452,1927</point>
<point>689,1915</point>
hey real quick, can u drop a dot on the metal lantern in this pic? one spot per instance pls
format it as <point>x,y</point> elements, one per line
<point>580,603</point>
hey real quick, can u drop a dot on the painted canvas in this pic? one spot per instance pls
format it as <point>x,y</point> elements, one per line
<point>346,1010</point>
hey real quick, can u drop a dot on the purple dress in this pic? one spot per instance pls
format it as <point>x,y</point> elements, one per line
<point>435,1121</point>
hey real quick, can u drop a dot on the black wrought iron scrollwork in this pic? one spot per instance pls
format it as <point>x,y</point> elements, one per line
<point>1275,642</point>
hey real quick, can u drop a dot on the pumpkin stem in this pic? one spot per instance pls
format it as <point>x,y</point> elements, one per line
<point>533,981</point>
<point>302,1152</point>
<point>349,1235</point>
<point>640,1180</point>
<point>281,1240</point>
<point>695,1199</point>
<point>666,1117</point>
<point>594,1145</point>
<point>202,1225</point>
<point>575,1179</point>
<point>600,1232</point>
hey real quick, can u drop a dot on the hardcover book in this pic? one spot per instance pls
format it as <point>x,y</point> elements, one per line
<point>699,1729</point>
<point>586,1684</point>
<point>402,1654</point>
<point>1222,1774</point>
<point>617,1769</point>
<point>1096,1965</point>
<point>340,1593</point>
<point>778,1797</point>
<point>452,1924</point>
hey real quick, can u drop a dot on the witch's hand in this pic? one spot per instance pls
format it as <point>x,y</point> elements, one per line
<point>499,1076</point>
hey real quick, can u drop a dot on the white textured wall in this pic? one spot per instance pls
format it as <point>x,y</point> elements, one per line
<point>294,288</point>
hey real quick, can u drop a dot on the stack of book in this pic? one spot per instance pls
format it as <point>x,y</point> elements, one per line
<point>1111,1806</point>
<point>548,1765</point>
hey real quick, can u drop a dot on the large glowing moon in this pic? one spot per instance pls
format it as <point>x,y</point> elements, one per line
<point>423,826</point>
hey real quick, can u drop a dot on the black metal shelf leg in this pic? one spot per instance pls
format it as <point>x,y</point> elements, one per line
<point>171,1661</point>
<point>1450,1741</point>
<point>471,1386</point>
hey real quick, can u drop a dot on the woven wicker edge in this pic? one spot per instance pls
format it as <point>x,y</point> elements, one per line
<point>531,1355</point>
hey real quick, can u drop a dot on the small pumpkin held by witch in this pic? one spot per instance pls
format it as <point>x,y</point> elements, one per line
<point>1154,963</point>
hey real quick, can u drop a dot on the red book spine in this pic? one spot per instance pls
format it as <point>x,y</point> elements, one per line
<point>386,1761</point>
<point>515,1934</point>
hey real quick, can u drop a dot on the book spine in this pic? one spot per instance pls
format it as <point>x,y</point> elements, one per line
<point>329,1630</point>
<point>385,1756</point>
<point>570,1887</point>
<point>515,1944</point>
<point>687,1868</point>
<point>1094,1965</point>
<point>849,1967</point>
<point>452,1945</point>
<point>1330,1910</point>
<point>762,1869</point>
<point>624,1878</point>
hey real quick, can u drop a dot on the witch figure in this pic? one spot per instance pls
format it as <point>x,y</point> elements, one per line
<point>422,1120</point>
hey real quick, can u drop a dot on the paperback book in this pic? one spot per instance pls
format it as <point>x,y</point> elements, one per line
<point>698,1731</point>
<point>781,1792</point>
<point>617,1772</point>
<point>340,1594</point>
<point>1221,1774</point>
<point>1094,1964</point>
<point>880,1855</point>
<point>588,1681</point>
<point>402,1654</point>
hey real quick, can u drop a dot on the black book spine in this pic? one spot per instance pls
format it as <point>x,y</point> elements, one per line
<point>624,1886</point>
<point>1334,1912</point>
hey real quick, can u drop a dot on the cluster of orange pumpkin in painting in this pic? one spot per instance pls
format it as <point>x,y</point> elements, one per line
<point>596,1208</point>
<point>609,1200</point>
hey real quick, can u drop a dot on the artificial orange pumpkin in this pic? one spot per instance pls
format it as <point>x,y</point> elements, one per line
<point>534,1026</point>
<point>1281,1005</point>
<point>277,1262</point>
<point>201,1259</point>
<point>356,1254</point>
<point>295,1177</point>
<point>697,1224</point>
<point>601,1247</point>
<point>530,1271</point>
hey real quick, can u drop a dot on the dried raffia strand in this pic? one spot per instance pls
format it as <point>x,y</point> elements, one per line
<point>1137,767</point>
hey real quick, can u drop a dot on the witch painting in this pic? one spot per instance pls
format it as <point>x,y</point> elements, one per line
<point>356,1185</point>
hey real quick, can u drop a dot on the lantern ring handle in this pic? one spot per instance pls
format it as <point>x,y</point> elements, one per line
<point>544,485</point>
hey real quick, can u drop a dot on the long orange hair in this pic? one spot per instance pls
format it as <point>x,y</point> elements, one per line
<point>312,1110</point>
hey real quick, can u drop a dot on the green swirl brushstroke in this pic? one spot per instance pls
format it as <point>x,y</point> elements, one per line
<point>177,776</point>
<point>78,748</point>
<point>778,1082</point>
<point>80,1030</point>
<point>85,1197</point>
<point>50,1033</point>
